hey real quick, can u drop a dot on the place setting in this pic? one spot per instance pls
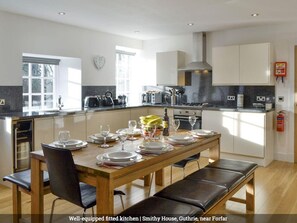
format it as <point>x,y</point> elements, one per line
<point>203,133</point>
<point>132,131</point>
<point>118,158</point>
<point>65,142</point>
<point>103,137</point>
<point>154,148</point>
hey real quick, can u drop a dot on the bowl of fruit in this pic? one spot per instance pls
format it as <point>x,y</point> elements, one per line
<point>151,126</point>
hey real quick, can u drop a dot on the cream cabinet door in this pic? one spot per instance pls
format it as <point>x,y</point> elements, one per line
<point>225,65</point>
<point>223,123</point>
<point>167,67</point>
<point>43,131</point>
<point>255,64</point>
<point>76,124</point>
<point>117,119</point>
<point>135,113</point>
<point>160,112</point>
<point>249,134</point>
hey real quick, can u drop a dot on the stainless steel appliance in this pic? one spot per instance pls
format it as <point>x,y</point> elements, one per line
<point>183,115</point>
<point>91,102</point>
<point>107,99</point>
<point>156,97</point>
<point>23,144</point>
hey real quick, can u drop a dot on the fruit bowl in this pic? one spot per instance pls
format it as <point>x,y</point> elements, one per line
<point>151,126</point>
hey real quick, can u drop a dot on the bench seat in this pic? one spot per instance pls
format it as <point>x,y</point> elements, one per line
<point>226,178</point>
<point>243,167</point>
<point>158,207</point>
<point>198,193</point>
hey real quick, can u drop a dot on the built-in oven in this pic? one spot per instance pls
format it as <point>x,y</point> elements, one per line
<point>183,115</point>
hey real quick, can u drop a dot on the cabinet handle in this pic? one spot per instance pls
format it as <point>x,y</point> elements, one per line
<point>16,148</point>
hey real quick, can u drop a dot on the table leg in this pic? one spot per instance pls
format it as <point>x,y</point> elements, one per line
<point>160,177</point>
<point>104,196</point>
<point>214,152</point>
<point>17,203</point>
<point>147,180</point>
<point>36,192</point>
<point>250,195</point>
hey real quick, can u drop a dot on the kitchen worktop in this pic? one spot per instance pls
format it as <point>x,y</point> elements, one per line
<point>25,115</point>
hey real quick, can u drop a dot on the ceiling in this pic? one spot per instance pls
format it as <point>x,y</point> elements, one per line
<point>152,19</point>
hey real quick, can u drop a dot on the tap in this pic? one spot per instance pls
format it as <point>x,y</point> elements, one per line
<point>60,103</point>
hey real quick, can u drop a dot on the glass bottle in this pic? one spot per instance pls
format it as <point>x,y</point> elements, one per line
<point>165,123</point>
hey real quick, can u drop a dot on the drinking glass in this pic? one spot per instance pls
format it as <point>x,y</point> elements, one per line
<point>123,137</point>
<point>175,124</point>
<point>104,131</point>
<point>132,124</point>
<point>64,136</point>
<point>192,120</point>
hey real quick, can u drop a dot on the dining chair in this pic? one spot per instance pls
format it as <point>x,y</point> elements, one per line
<point>64,182</point>
<point>21,182</point>
<point>183,163</point>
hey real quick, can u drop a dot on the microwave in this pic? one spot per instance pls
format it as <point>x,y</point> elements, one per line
<point>156,97</point>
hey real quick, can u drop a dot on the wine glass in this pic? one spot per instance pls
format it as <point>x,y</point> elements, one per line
<point>104,131</point>
<point>175,124</point>
<point>192,120</point>
<point>64,136</point>
<point>132,124</point>
<point>123,137</point>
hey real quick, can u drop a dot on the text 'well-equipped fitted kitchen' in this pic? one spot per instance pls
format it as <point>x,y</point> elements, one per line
<point>202,96</point>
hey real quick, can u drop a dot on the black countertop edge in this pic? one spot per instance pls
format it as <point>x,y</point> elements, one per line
<point>31,115</point>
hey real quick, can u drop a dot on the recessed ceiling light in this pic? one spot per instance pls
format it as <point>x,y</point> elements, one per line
<point>255,14</point>
<point>190,24</point>
<point>61,13</point>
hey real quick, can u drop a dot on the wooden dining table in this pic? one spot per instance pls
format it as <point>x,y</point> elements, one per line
<point>106,179</point>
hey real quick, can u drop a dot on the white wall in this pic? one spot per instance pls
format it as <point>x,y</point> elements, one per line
<point>283,38</point>
<point>21,34</point>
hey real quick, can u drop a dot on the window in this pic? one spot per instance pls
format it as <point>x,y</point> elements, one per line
<point>124,68</point>
<point>39,83</point>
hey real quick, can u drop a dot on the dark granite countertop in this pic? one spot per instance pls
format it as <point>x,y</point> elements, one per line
<point>30,115</point>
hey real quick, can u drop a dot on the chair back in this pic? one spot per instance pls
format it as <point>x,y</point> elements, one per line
<point>64,181</point>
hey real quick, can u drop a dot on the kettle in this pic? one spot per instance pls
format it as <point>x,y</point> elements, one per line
<point>107,100</point>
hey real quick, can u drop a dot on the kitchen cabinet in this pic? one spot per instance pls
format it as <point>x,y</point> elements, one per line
<point>160,112</point>
<point>248,64</point>
<point>245,135</point>
<point>167,64</point>
<point>135,113</point>
<point>225,65</point>
<point>222,122</point>
<point>117,119</point>
<point>44,131</point>
<point>76,124</point>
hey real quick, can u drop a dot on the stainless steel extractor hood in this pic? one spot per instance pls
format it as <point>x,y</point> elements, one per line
<point>199,54</point>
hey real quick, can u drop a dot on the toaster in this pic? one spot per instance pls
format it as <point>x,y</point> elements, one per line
<point>156,97</point>
<point>91,102</point>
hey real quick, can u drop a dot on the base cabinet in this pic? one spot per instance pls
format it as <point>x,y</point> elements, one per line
<point>44,131</point>
<point>245,134</point>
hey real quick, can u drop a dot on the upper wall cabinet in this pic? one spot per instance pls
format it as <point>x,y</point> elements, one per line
<point>248,64</point>
<point>167,68</point>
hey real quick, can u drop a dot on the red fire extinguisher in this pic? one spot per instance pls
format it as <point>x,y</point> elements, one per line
<point>280,121</point>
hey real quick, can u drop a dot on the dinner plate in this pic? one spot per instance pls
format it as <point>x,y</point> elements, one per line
<point>128,131</point>
<point>153,145</point>
<point>181,137</point>
<point>71,144</point>
<point>120,156</point>
<point>143,150</point>
<point>181,142</point>
<point>203,132</point>
<point>99,137</point>
<point>102,159</point>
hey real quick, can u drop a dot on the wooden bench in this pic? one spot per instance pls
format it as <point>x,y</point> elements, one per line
<point>206,189</point>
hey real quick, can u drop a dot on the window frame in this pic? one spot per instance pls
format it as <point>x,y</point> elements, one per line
<point>42,92</point>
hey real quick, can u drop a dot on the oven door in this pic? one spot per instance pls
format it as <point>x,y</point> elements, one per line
<point>184,122</point>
